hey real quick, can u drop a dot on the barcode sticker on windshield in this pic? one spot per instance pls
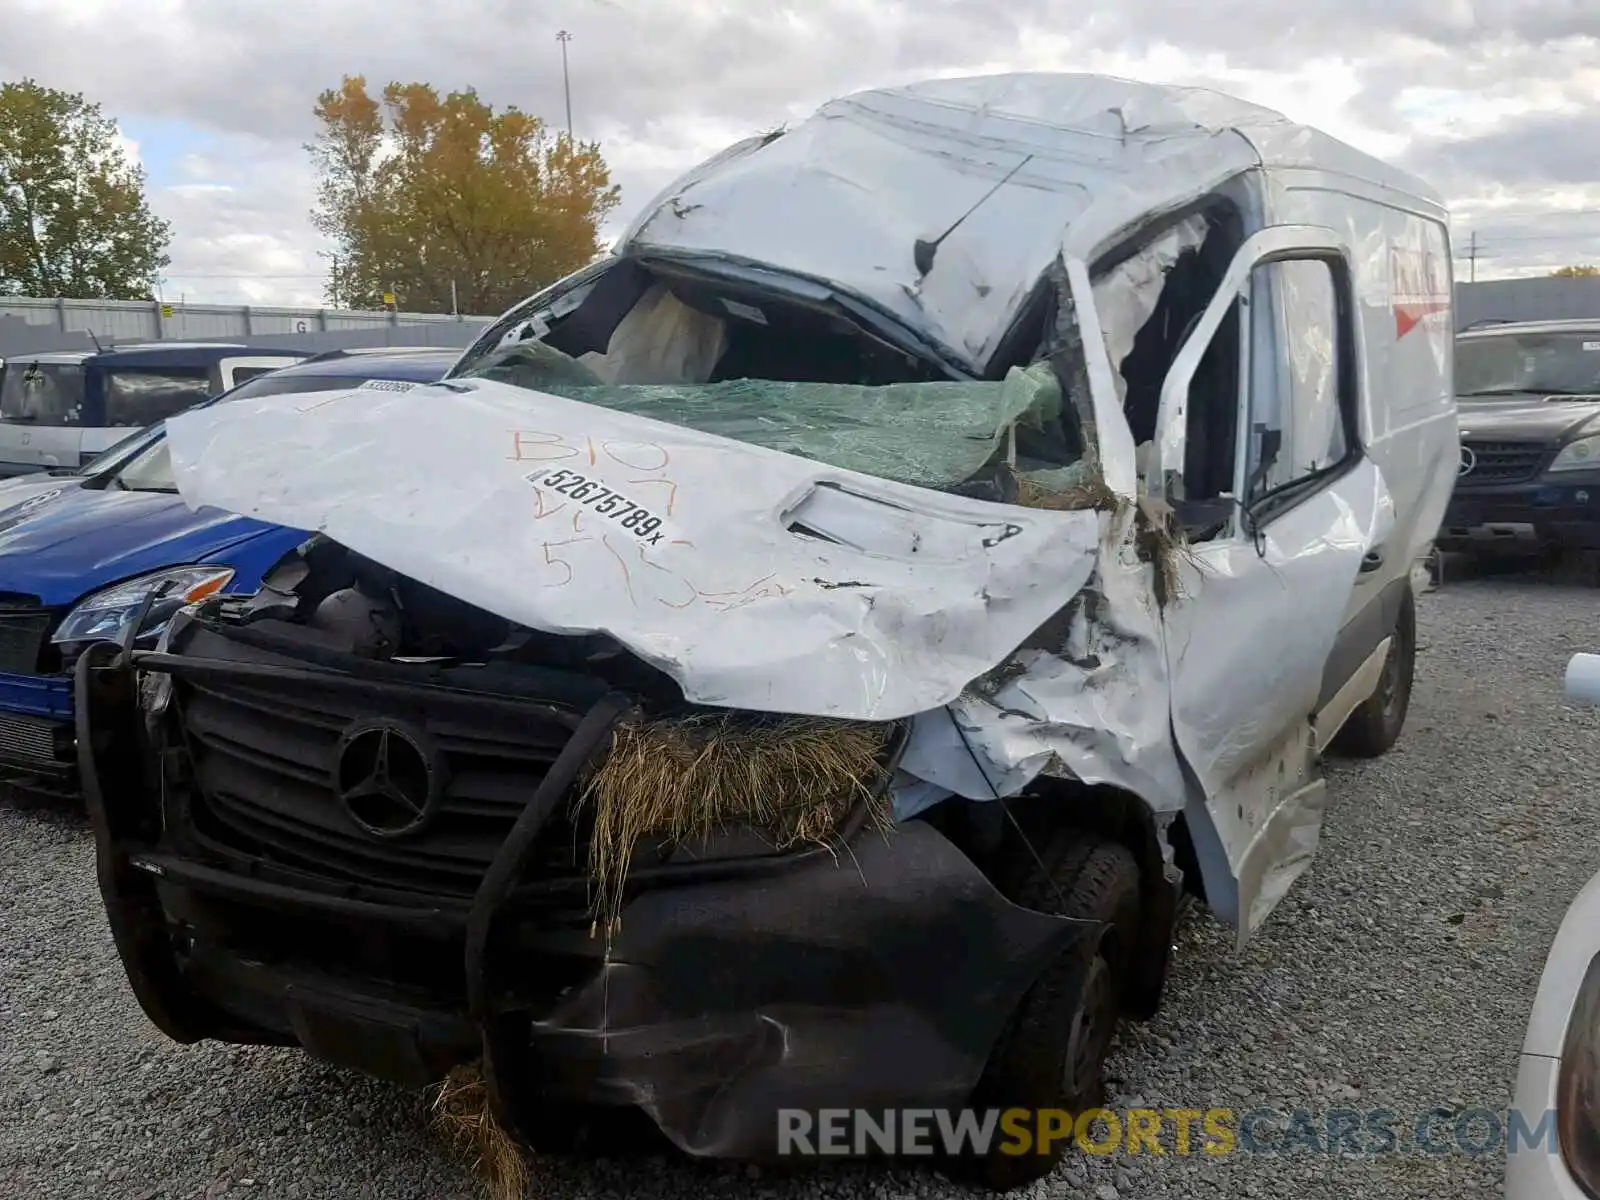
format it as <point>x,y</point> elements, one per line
<point>1591,346</point>
<point>388,385</point>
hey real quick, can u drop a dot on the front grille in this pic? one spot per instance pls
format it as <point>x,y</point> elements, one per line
<point>264,767</point>
<point>1502,462</point>
<point>24,630</point>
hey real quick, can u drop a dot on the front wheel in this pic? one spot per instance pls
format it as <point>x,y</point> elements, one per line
<point>1374,727</point>
<point>1052,1052</point>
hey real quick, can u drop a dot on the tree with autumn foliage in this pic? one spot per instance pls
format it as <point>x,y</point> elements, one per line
<point>1575,272</point>
<point>74,221</point>
<point>419,192</point>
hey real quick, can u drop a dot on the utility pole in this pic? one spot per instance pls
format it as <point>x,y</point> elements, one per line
<point>1472,258</point>
<point>566,84</point>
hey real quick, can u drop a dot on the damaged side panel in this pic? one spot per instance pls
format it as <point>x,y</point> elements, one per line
<point>1247,650</point>
<point>1075,703</point>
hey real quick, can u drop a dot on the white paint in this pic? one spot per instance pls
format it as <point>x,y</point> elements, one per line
<point>1583,679</point>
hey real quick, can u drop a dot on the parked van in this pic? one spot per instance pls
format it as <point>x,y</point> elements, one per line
<point>61,409</point>
<point>808,657</point>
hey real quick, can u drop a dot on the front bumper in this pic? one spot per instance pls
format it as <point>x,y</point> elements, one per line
<point>1550,513</point>
<point>877,976</point>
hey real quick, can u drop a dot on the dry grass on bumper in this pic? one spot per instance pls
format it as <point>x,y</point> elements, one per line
<point>461,1115</point>
<point>792,779</point>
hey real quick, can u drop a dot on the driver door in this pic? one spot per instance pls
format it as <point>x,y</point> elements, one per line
<point>1263,466</point>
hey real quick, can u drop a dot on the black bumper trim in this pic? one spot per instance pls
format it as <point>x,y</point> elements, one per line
<point>499,882</point>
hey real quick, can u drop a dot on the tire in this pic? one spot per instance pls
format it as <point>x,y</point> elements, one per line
<point>1374,727</point>
<point>1052,1051</point>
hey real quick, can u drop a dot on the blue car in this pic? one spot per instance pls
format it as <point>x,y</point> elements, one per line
<point>78,562</point>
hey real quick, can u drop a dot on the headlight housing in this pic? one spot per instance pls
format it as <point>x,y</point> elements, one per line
<point>1578,1085</point>
<point>1578,454</point>
<point>105,615</point>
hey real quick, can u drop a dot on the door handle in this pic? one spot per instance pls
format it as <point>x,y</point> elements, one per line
<point>1371,561</point>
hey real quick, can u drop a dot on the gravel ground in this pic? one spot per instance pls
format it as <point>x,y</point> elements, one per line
<point>1397,975</point>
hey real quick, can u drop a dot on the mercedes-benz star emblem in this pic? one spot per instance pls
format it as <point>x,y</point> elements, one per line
<point>1468,461</point>
<point>386,779</point>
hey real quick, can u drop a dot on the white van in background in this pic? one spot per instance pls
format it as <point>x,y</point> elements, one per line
<point>60,409</point>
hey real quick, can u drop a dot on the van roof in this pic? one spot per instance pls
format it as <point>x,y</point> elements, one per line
<point>1023,165</point>
<point>51,358</point>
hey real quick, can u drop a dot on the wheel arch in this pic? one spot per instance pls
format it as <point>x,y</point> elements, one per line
<point>1121,816</point>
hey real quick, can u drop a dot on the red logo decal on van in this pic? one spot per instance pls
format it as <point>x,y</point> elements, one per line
<point>1419,287</point>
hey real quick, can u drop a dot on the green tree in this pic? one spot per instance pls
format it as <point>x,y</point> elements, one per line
<point>74,220</point>
<point>1570,272</point>
<point>418,192</point>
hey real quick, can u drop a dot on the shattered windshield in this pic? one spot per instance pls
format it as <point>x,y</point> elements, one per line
<point>938,434</point>
<point>1503,364</point>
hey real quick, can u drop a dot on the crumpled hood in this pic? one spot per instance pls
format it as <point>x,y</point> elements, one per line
<point>757,579</point>
<point>85,539</point>
<point>1528,416</point>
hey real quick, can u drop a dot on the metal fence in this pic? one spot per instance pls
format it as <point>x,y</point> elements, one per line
<point>1544,298</point>
<point>28,324</point>
<point>150,320</point>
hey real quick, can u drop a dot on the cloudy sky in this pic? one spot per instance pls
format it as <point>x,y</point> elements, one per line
<point>1493,101</point>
